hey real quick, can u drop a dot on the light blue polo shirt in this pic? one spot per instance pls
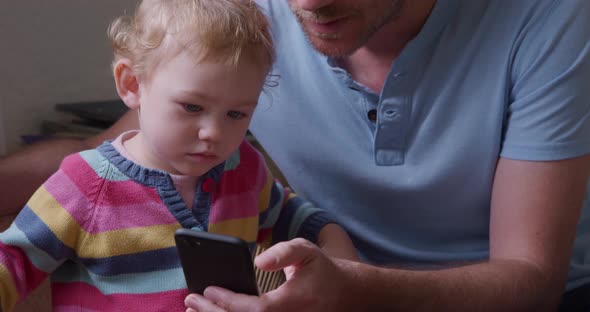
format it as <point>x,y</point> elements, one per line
<point>483,79</point>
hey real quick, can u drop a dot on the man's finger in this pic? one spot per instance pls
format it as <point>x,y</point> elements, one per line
<point>230,301</point>
<point>284,254</point>
<point>201,304</point>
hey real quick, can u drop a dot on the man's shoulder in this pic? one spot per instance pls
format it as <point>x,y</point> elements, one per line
<point>497,29</point>
<point>517,13</point>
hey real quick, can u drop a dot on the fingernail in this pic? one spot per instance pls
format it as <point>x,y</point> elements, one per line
<point>267,259</point>
<point>191,299</point>
<point>209,291</point>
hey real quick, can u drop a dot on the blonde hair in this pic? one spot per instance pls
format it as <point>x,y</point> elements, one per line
<point>221,31</point>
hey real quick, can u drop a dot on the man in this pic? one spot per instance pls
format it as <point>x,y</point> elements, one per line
<point>448,136</point>
<point>472,176</point>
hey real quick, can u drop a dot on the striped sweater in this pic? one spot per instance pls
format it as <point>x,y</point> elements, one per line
<point>102,228</point>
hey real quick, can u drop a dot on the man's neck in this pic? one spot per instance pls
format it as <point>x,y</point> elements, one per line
<point>370,64</point>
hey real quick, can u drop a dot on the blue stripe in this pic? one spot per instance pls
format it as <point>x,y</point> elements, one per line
<point>162,259</point>
<point>281,228</point>
<point>97,162</point>
<point>137,283</point>
<point>312,224</point>
<point>39,234</point>
<point>299,218</point>
<point>14,236</point>
<point>269,217</point>
<point>233,161</point>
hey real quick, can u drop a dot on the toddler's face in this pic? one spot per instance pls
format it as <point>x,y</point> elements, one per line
<point>194,116</point>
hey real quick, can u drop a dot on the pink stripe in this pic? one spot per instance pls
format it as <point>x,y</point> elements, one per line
<point>90,298</point>
<point>123,206</point>
<point>131,216</point>
<point>74,309</point>
<point>235,206</point>
<point>236,195</point>
<point>130,191</point>
<point>81,174</point>
<point>26,276</point>
<point>249,176</point>
<point>88,182</point>
<point>68,195</point>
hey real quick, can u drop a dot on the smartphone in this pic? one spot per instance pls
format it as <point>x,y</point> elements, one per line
<point>209,259</point>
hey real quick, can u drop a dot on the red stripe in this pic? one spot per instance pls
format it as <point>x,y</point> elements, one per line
<point>249,176</point>
<point>89,297</point>
<point>263,235</point>
<point>235,206</point>
<point>238,191</point>
<point>26,276</point>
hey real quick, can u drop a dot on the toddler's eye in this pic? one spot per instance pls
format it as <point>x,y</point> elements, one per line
<point>236,115</point>
<point>192,108</point>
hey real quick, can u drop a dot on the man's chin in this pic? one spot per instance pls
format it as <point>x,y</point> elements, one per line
<point>331,47</point>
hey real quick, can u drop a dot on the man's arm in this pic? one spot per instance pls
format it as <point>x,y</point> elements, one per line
<point>335,242</point>
<point>22,172</point>
<point>535,209</point>
<point>534,212</point>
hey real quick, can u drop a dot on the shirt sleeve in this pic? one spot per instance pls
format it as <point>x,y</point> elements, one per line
<point>44,234</point>
<point>289,216</point>
<point>548,115</point>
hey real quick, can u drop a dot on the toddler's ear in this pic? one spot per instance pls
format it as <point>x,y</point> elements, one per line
<point>126,81</point>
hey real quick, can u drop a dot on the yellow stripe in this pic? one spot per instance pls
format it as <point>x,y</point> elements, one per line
<point>117,242</point>
<point>291,195</point>
<point>264,195</point>
<point>111,243</point>
<point>8,292</point>
<point>59,221</point>
<point>246,228</point>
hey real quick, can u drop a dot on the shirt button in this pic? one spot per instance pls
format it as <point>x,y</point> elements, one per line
<point>208,185</point>
<point>372,115</point>
<point>391,113</point>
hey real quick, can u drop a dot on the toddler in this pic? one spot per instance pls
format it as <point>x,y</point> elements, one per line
<point>102,227</point>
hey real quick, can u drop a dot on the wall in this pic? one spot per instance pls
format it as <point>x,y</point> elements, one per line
<point>52,52</point>
<point>2,135</point>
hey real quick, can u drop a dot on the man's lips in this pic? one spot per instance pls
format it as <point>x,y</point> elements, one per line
<point>325,26</point>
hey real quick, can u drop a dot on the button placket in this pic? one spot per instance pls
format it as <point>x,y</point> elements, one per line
<point>390,114</point>
<point>372,115</point>
<point>392,122</point>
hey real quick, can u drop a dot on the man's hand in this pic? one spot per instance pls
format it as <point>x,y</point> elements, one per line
<point>314,283</point>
